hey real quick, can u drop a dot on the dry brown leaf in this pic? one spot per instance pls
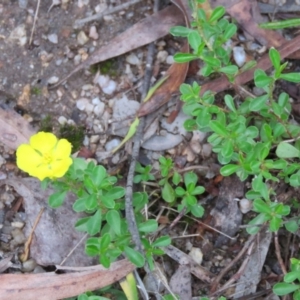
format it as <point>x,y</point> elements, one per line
<point>54,236</point>
<point>142,33</point>
<point>50,286</point>
<point>14,129</point>
<point>25,96</point>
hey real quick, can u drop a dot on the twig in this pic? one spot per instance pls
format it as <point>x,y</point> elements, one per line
<point>99,16</point>
<point>278,255</point>
<point>34,21</point>
<point>217,280</point>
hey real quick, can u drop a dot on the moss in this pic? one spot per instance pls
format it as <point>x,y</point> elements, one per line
<point>108,67</point>
<point>36,91</point>
<point>46,124</point>
<point>74,134</point>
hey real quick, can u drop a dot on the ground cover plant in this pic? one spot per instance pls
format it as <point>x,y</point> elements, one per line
<point>254,138</point>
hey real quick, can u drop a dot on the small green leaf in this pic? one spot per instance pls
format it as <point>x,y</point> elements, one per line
<point>218,128</point>
<point>197,210</point>
<point>57,199</point>
<point>229,169</point>
<point>180,31</point>
<point>217,13</point>
<point>211,61</point>
<point>114,221</point>
<point>168,193</point>
<point>194,40</point>
<point>229,70</point>
<point>229,31</point>
<point>261,79</point>
<point>258,220</point>
<point>135,257</point>
<point>93,225</point>
<point>291,276</point>
<point>283,288</point>
<point>184,57</point>
<point>275,58</point>
<point>258,103</point>
<point>292,77</point>
<point>261,206</point>
<point>162,241</point>
<point>176,178</point>
<point>286,150</point>
<point>227,148</point>
<point>292,226</point>
<point>198,190</point>
<point>98,174</point>
<point>275,224</point>
<point>230,103</point>
<point>148,226</point>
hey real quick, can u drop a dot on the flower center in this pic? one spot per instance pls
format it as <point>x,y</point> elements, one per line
<point>48,158</point>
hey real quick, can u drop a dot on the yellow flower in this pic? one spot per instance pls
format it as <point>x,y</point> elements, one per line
<point>45,156</point>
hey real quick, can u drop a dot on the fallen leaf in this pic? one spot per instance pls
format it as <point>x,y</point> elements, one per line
<point>14,129</point>
<point>51,286</point>
<point>136,36</point>
<point>55,235</point>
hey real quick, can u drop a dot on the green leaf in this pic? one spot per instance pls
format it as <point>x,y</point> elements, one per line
<point>283,288</point>
<point>275,224</point>
<point>227,148</point>
<point>162,241</point>
<point>291,276</point>
<point>180,191</point>
<point>114,221</point>
<point>148,226</point>
<point>135,257</point>
<point>275,58</point>
<point>190,178</point>
<point>281,24</point>
<point>57,199</point>
<point>258,103</point>
<point>93,225</point>
<point>168,193</point>
<point>198,190</point>
<point>197,210</point>
<point>91,202</point>
<point>261,79</point>
<point>217,13</point>
<point>190,200</point>
<point>258,220</point>
<point>229,31</point>
<point>261,206</point>
<point>98,174</point>
<point>292,77</point>
<point>184,57</point>
<point>180,31</point>
<point>230,103</point>
<point>229,70</point>
<point>115,193</point>
<point>211,61</point>
<point>286,150</point>
<point>229,169</point>
<point>292,226</point>
<point>176,178</point>
<point>218,128</point>
<point>194,40</point>
<point>278,130</point>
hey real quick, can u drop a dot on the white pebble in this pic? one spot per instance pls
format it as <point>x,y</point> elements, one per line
<point>29,265</point>
<point>96,101</point>
<point>82,38</point>
<point>17,224</point>
<point>94,139</point>
<point>132,59</point>
<point>206,150</point>
<point>53,38</point>
<point>99,109</point>
<point>170,60</point>
<point>239,55</point>
<point>107,85</point>
<point>162,56</point>
<point>86,141</point>
<point>53,80</point>
<point>196,254</point>
<point>62,120</point>
<point>82,3</point>
<point>82,103</point>
<point>112,144</point>
<point>245,205</point>
<point>89,108</point>
<point>93,34</point>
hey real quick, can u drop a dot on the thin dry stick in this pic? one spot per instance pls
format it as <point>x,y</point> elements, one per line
<point>99,16</point>
<point>34,21</point>
<point>74,248</point>
<point>217,280</point>
<point>278,255</point>
<point>239,273</point>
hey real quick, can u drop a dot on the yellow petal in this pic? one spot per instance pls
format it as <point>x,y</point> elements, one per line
<point>27,158</point>
<point>60,167</point>
<point>62,149</point>
<point>44,142</point>
<point>41,172</point>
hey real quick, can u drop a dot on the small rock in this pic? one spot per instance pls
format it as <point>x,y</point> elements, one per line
<point>162,56</point>
<point>82,3</point>
<point>29,265</point>
<point>96,101</point>
<point>89,108</point>
<point>93,34</point>
<point>107,85</point>
<point>197,255</point>
<point>82,38</point>
<point>170,60</point>
<point>19,35</point>
<point>62,120</point>
<point>23,3</point>
<point>82,103</point>
<point>53,80</point>
<point>17,224</point>
<point>19,237</point>
<point>239,56</point>
<point>112,144</point>
<point>132,59</point>
<point>245,205</point>
<point>38,269</point>
<point>53,38</point>
<point>86,141</point>
<point>99,109</point>
<point>206,150</point>
<point>94,139</point>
